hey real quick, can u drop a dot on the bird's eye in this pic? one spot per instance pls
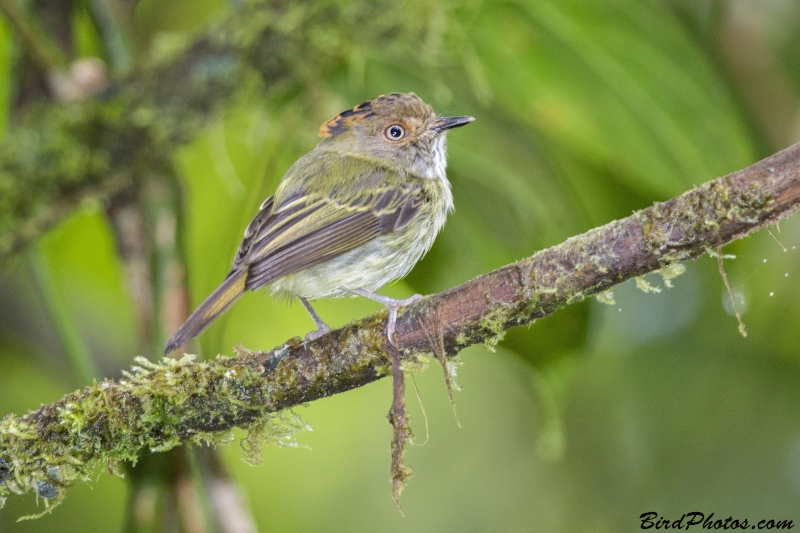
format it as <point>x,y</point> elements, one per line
<point>395,132</point>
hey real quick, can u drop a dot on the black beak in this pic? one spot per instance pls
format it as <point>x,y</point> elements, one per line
<point>448,123</point>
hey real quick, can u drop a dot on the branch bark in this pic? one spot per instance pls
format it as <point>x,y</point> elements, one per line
<point>159,406</point>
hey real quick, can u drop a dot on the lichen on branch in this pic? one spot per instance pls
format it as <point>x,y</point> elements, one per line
<point>154,408</point>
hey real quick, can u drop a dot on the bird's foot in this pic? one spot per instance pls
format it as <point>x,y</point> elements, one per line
<point>392,304</point>
<point>395,306</point>
<point>322,327</point>
<point>314,335</point>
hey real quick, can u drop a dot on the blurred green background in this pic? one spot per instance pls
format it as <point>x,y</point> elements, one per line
<point>586,111</point>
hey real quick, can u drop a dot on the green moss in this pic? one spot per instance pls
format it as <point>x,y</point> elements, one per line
<point>493,327</point>
<point>692,216</point>
<point>670,272</point>
<point>453,363</point>
<point>606,297</point>
<point>645,286</point>
<point>280,428</point>
<point>156,407</point>
<point>416,363</point>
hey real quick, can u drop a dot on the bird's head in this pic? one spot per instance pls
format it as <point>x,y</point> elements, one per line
<point>397,129</point>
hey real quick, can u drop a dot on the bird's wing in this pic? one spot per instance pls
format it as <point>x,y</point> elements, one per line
<point>304,230</point>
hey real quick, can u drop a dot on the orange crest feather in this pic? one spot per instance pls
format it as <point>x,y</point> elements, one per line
<point>346,119</point>
<point>363,111</point>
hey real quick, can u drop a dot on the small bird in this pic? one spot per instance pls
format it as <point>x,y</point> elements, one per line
<point>353,214</point>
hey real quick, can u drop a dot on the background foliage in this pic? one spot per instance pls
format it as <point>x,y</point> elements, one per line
<point>586,110</point>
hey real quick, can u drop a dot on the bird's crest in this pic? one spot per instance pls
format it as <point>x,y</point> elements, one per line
<point>381,105</point>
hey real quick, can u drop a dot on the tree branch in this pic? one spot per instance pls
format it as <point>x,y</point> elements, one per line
<point>160,406</point>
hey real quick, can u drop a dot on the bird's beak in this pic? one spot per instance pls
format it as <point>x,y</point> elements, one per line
<point>448,123</point>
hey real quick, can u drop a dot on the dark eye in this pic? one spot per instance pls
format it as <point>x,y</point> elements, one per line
<point>395,132</point>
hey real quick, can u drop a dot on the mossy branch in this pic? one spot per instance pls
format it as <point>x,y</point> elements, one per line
<point>160,406</point>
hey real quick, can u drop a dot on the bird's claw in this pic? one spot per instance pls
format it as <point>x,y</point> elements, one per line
<point>314,335</point>
<point>394,307</point>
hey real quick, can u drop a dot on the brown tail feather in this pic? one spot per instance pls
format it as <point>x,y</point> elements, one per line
<point>213,306</point>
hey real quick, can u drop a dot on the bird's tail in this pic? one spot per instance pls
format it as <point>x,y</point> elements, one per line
<point>213,306</point>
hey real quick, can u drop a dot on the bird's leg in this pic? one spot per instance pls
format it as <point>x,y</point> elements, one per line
<point>322,327</point>
<point>393,305</point>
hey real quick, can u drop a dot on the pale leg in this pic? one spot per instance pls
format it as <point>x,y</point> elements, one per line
<point>322,327</point>
<point>391,303</point>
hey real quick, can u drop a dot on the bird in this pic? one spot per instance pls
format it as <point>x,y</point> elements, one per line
<point>353,214</point>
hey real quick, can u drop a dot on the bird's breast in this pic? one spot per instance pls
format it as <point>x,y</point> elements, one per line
<point>379,261</point>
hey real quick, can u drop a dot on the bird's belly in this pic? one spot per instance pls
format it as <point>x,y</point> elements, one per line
<point>369,267</point>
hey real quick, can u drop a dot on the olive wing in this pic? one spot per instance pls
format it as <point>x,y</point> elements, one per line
<point>306,230</point>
